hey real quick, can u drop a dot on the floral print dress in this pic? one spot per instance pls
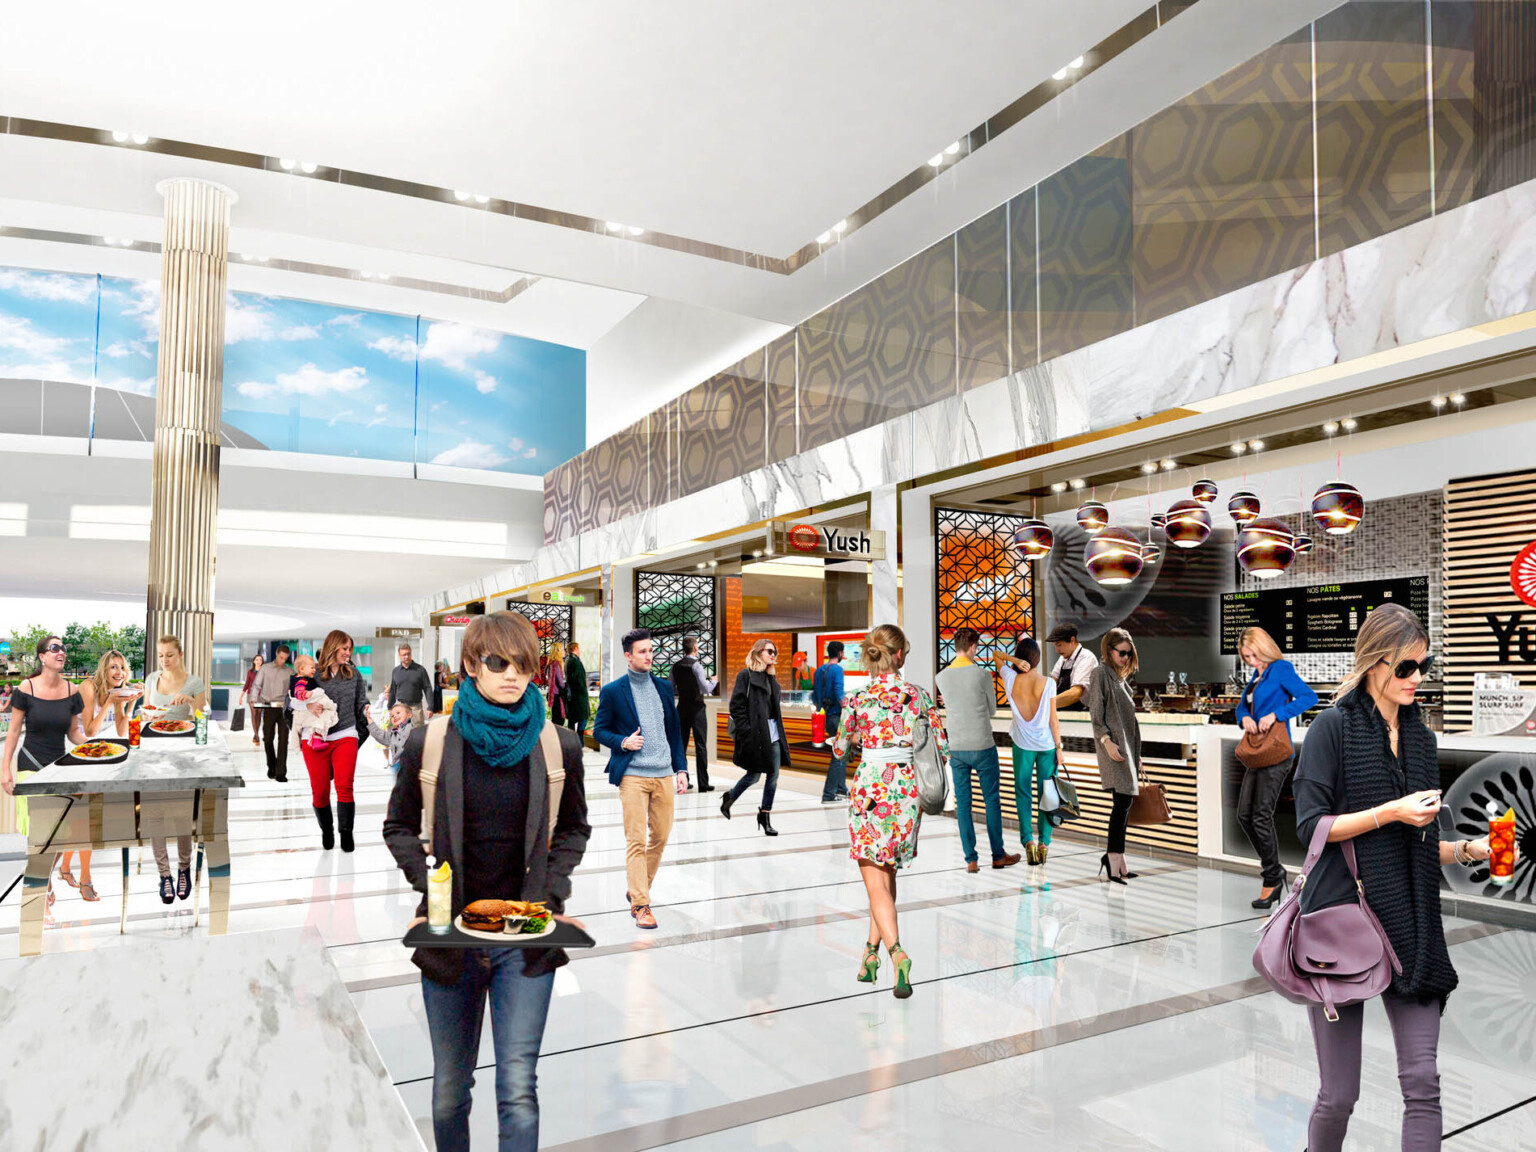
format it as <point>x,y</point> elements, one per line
<point>883,810</point>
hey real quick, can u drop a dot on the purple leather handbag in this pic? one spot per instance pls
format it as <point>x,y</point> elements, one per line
<point>1333,957</point>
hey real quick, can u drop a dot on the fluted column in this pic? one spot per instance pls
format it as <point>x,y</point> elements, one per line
<point>189,398</point>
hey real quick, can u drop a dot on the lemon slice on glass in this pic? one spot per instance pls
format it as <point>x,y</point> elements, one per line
<point>442,872</point>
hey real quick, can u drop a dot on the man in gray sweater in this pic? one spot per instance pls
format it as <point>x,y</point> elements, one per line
<point>970,699</point>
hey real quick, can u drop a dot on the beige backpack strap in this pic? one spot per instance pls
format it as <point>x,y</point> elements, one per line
<point>554,771</point>
<point>431,762</point>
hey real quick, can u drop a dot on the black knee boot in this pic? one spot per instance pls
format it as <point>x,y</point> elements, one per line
<point>327,835</point>
<point>345,810</point>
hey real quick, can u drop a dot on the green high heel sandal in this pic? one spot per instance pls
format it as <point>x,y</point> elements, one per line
<point>903,971</point>
<point>869,970</point>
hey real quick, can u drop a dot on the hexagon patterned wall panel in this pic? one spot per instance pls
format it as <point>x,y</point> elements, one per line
<point>720,428</point>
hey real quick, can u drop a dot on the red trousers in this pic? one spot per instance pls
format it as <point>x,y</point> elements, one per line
<point>338,758</point>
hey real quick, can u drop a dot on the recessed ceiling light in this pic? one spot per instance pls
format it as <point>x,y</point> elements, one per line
<point>1349,424</point>
<point>366,275</point>
<point>1458,398</point>
<point>1059,74</point>
<point>1239,448</point>
<point>633,231</point>
<point>286,164</point>
<point>140,138</point>
<point>308,166</point>
<point>1256,445</point>
<point>1170,465</point>
<point>1149,468</point>
<point>247,257</point>
<point>953,149</point>
<point>1330,428</point>
<point>615,226</point>
<point>482,199</point>
<point>756,553</point>
<point>1059,486</point>
<point>824,238</point>
<point>840,227</point>
<point>1437,402</point>
<point>1078,485</point>
<point>700,564</point>
<point>1077,62</point>
<point>936,160</point>
<point>460,195</point>
<point>120,137</point>
<point>109,240</point>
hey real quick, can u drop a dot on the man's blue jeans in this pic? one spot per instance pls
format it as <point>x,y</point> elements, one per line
<point>837,770</point>
<point>519,1005</point>
<point>984,763</point>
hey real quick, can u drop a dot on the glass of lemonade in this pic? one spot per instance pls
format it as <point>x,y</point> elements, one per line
<point>440,898</point>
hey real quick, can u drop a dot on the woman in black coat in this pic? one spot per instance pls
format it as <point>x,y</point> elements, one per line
<point>759,731</point>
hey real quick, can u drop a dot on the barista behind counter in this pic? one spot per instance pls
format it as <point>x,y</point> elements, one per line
<point>1074,668</point>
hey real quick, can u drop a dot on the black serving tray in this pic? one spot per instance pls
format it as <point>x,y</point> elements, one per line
<point>564,936</point>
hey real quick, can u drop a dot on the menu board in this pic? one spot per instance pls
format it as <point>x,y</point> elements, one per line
<point>1319,618</point>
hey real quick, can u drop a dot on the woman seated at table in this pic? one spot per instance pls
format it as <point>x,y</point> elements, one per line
<point>174,689</point>
<point>102,706</point>
<point>48,707</point>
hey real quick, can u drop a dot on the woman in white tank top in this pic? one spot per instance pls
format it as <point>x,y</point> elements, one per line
<point>1036,744</point>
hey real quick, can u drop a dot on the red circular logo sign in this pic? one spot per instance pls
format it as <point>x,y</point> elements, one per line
<point>1522,575</point>
<point>804,538</point>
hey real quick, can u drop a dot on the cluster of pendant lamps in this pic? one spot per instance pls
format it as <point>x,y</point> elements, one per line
<point>1266,546</point>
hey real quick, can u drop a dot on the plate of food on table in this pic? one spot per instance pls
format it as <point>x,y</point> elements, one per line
<point>97,752</point>
<point>169,728</point>
<point>497,919</point>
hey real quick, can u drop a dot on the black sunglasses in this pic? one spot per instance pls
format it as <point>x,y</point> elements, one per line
<point>54,648</point>
<point>494,663</point>
<point>1124,653</point>
<point>770,651</point>
<point>1405,668</point>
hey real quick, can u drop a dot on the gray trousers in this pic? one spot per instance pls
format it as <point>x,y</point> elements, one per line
<point>1416,1033</point>
<point>163,857</point>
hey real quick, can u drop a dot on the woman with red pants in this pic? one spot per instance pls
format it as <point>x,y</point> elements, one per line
<point>334,755</point>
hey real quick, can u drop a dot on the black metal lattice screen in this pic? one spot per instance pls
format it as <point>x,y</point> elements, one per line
<point>983,582</point>
<point>672,605</point>
<point>553,622</point>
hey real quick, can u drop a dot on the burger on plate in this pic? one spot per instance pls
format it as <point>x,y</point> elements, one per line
<point>485,915</point>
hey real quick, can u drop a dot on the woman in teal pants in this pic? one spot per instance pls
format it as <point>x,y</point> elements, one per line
<point>1036,736</point>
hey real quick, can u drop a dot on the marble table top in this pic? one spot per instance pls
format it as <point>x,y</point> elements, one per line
<point>226,1043</point>
<point>158,764</point>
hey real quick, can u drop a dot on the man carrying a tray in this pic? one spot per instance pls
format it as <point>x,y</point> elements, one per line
<point>482,781</point>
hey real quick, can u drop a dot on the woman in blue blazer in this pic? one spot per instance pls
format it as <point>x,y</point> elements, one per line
<point>1274,695</point>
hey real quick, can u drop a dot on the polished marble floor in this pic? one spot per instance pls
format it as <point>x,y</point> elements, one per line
<point>1047,1005</point>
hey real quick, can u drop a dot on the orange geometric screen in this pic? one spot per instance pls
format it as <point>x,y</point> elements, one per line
<point>983,582</point>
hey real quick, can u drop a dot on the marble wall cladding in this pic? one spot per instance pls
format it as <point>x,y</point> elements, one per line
<point>779,376</point>
<point>982,304</point>
<point>1372,121</point>
<point>720,428</point>
<point>1024,279</point>
<point>883,350</point>
<point>1085,251</point>
<point>1222,183</point>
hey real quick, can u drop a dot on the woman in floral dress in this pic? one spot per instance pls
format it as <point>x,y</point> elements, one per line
<point>883,812</point>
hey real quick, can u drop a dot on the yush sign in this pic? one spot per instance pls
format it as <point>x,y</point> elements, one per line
<point>1522,575</point>
<point>826,541</point>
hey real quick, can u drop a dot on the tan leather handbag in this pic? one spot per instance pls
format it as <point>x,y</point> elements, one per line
<point>1150,805</point>
<point>1265,749</point>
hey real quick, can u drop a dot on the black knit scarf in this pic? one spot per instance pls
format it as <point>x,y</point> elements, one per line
<point>1399,864</point>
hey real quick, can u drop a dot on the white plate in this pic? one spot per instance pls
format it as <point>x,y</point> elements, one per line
<point>502,937</point>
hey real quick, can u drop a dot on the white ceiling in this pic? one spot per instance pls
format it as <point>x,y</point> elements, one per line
<point>754,126</point>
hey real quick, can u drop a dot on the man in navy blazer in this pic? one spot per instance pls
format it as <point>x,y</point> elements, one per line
<point>637,722</point>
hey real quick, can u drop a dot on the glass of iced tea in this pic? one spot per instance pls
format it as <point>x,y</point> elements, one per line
<point>1501,847</point>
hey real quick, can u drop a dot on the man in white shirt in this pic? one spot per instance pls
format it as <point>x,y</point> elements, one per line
<point>1074,668</point>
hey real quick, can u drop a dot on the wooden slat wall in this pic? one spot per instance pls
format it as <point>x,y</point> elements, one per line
<point>1182,835</point>
<point>1488,519</point>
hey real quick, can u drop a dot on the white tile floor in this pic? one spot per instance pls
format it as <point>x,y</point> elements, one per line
<point>1047,1004</point>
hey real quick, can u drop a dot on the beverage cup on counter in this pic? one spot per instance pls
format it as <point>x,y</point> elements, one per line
<point>1501,846</point>
<point>134,724</point>
<point>440,899</point>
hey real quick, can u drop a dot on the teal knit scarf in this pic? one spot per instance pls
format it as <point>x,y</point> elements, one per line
<point>501,735</point>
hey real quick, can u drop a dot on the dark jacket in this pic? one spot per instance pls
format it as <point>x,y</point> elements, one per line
<point>546,870</point>
<point>617,719</point>
<point>350,695</point>
<point>754,702</point>
<point>578,704</point>
<point>686,684</point>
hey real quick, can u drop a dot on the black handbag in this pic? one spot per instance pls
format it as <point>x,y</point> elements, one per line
<point>237,720</point>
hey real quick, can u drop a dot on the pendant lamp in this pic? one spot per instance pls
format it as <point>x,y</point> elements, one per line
<point>1159,519</point>
<point>1244,507</point>
<point>1034,540</point>
<point>1189,523</point>
<point>1337,508</point>
<point>1151,553</point>
<point>1114,556</point>
<point>1303,544</point>
<point>1265,548</point>
<point>1092,517</point>
<point>1204,491</point>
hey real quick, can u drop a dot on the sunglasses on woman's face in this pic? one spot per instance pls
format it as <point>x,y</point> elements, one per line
<point>54,648</point>
<point>1123,653</point>
<point>770,651</point>
<point>495,663</point>
<point>1405,668</point>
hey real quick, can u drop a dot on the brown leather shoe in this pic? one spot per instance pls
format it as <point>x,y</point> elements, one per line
<point>642,915</point>
<point>1007,861</point>
<point>972,866</point>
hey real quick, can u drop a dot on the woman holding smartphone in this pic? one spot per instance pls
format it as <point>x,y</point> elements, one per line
<point>1371,762</point>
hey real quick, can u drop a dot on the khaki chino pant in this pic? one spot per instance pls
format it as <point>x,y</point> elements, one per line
<point>647,804</point>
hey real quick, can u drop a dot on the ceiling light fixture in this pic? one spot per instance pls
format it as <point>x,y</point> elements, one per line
<point>824,238</point>
<point>308,166</point>
<point>286,164</point>
<point>1349,424</point>
<point>840,227</point>
<point>615,226</point>
<point>1059,486</point>
<point>1169,465</point>
<point>953,149</point>
<point>120,137</point>
<point>1077,62</point>
<point>936,160</point>
<point>633,231</point>
<point>1148,468</point>
<point>1078,485</point>
<point>1239,448</point>
<point>460,195</point>
<point>1331,428</point>
<point>140,138</point>
<point>1458,399</point>
<point>481,198</point>
<point>1437,402</point>
<point>1256,445</point>
<point>1059,74</point>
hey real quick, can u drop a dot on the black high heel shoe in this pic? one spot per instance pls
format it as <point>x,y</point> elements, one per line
<point>1104,867</point>
<point>725,805</point>
<point>1275,895</point>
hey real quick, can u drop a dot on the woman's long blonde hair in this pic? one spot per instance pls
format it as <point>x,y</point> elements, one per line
<point>1389,634</point>
<point>755,659</point>
<point>334,641</point>
<point>103,688</point>
<point>884,649</point>
<point>1262,643</point>
<point>557,652</point>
